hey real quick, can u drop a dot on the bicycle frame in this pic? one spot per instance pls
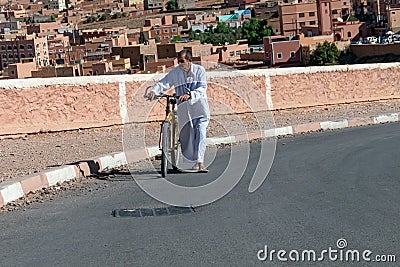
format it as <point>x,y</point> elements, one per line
<point>170,117</point>
<point>169,135</point>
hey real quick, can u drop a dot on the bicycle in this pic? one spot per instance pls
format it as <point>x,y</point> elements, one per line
<point>169,134</point>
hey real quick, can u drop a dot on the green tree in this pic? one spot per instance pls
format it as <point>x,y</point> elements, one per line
<point>90,19</point>
<point>347,56</point>
<point>325,54</point>
<point>176,38</point>
<point>103,17</point>
<point>52,18</point>
<point>172,5</point>
<point>192,35</point>
<point>255,29</point>
<point>217,36</point>
<point>116,15</point>
<point>142,38</point>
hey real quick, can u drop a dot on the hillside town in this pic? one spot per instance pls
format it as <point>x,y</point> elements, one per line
<point>65,38</point>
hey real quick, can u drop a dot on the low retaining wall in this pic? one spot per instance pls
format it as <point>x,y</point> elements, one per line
<point>54,104</point>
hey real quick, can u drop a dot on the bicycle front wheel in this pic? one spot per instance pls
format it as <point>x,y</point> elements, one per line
<point>165,141</point>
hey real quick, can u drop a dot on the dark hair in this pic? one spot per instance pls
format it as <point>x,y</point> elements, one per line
<point>186,53</point>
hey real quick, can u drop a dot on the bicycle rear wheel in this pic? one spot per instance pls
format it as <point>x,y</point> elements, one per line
<point>165,144</point>
<point>175,146</point>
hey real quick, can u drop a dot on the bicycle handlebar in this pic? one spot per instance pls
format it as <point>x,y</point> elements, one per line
<point>161,95</point>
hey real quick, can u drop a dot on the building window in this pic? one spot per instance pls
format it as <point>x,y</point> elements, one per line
<point>302,24</point>
<point>301,15</point>
<point>312,22</point>
<point>173,30</point>
<point>334,11</point>
<point>166,37</point>
<point>237,53</point>
<point>29,47</point>
<point>166,31</point>
<point>16,56</point>
<point>279,55</point>
<point>311,14</point>
<point>244,51</point>
<point>231,54</point>
<point>30,54</point>
<point>292,54</point>
<point>348,34</point>
<point>158,31</point>
<point>9,47</point>
<point>4,65</point>
<point>3,47</point>
<point>10,56</point>
<point>22,55</point>
<point>4,56</point>
<point>21,46</point>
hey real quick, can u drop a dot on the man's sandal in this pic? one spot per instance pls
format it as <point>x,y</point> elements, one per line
<point>199,168</point>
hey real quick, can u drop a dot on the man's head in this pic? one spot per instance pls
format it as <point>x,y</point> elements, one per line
<point>185,59</point>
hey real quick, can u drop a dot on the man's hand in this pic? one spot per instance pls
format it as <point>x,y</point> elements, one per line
<point>184,97</point>
<point>151,95</point>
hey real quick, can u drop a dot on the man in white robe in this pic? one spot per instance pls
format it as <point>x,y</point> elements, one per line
<point>190,84</point>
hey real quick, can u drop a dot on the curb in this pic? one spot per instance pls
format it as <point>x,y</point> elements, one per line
<point>13,190</point>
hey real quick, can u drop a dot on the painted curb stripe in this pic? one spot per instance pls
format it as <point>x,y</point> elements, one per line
<point>153,151</point>
<point>61,175</point>
<point>278,131</point>
<point>11,192</point>
<point>113,160</point>
<point>221,140</point>
<point>394,117</point>
<point>331,125</point>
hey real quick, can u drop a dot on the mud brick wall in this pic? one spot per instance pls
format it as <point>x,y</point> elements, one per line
<point>67,103</point>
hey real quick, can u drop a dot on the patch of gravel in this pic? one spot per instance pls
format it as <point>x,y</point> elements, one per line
<point>37,152</point>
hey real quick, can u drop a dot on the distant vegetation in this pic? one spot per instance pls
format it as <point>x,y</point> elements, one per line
<point>328,54</point>
<point>172,5</point>
<point>105,16</point>
<point>325,54</point>
<point>253,30</point>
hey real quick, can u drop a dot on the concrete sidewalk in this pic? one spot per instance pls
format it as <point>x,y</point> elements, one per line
<point>13,190</point>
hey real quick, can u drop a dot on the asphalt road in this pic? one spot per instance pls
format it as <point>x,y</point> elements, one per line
<point>322,187</point>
